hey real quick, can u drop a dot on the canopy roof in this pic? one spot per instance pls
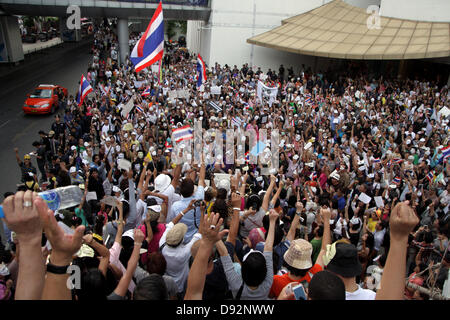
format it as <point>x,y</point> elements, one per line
<point>339,30</point>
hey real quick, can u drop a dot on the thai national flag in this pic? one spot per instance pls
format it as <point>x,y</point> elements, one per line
<point>139,108</point>
<point>397,180</point>
<point>308,99</point>
<point>313,176</point>
<point>104,90</point>
<point>83,91</point>
<point>237,121</point>
<point>430,176</point>
<point>376,160</point>
<point>397,161</point>
<point>146,92</point>
<point>150,48</point>
<point>445,152</point>
<point>183,133</point>
<point>201,69</point>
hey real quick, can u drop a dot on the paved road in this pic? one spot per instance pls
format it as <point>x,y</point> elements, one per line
<point>62,65</point>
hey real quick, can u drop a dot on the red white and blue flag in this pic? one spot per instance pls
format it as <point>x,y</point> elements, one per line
<point>146,92</point>
<point>308,98</point>
<point>313,176</point>
<point>104,90</point>
<point>201,69</point>
<point>397,180</point>
<point>139,108</point>
<point>376,160</point>
<point>445,153</point>
<point>150,48</point>
<point>430,176</point>
<point>181,134</point>
<point>84,90</point>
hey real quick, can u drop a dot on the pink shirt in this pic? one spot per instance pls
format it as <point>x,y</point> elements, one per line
<point>153,246</point>
<point>323,180</point>
<point>114,254</point>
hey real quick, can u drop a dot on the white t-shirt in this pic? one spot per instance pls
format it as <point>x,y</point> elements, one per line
<point>177,258</point>
<point>360,294</point>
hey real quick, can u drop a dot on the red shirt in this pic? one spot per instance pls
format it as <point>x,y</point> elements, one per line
<point>279,282</point>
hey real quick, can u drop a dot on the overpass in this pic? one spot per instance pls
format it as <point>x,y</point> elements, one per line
<point>123,10</point>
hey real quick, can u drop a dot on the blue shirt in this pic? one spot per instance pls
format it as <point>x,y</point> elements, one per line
<point>188,218</point>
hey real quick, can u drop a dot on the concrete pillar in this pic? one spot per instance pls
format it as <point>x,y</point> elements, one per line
<point>11,49</point>
<point>68,35</point>
<point>124,37</point>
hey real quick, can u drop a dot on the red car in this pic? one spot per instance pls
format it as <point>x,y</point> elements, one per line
<point>44,99</point>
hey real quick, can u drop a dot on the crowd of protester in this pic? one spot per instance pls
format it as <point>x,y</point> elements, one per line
<point>357,210</point>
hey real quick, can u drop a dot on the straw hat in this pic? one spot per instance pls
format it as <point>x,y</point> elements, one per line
<point>299,254</point>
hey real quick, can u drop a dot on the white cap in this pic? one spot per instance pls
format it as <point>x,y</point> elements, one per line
<point>296,157</point>
<point>73,169</point>
<point>86,144</point>
<point>73,148</point>
<point>116,189</point>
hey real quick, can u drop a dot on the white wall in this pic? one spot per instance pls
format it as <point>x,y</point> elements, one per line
<point>232,22</point>
<point>194,35</point>
<point>423,10</point>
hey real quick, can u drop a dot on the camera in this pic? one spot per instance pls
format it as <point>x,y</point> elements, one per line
<point>198,203</point>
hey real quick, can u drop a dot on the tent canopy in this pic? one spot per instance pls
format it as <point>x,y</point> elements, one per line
<point>339,30</point>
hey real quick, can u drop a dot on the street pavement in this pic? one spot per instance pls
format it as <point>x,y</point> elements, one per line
<point>61,65</point>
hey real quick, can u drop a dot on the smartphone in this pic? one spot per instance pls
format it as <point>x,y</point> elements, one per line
<point>299,292</point>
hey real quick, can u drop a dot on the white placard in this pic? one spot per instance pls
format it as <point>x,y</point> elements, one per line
<point>91,196</point>
<point>216,89</point>
<point>173,94</point>
<point>124,164</point>
<point>364,198</point>
<point>110,201</point>
<point>379,202</point>
<point>308,145</point>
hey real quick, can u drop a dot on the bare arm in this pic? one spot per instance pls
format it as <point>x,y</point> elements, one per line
<point>124,282</point>
<point>197,274</point>
<point>326,214</point>
<point>267,196</point>
<point>268,246</point>
<point>26,223</point>
<point>291,233</point>
<point>403,219</point>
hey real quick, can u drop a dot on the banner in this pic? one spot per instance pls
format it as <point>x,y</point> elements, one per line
<point>216,89</point>
<point>127,107</point>
<point>264,91</point>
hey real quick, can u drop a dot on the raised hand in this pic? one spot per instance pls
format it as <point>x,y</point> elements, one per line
<point>210,228</point>
<point>64,246</point>
<point>22,216</point>
<point>236,200</point>
<point>273,215</point>
<point>402,221</point>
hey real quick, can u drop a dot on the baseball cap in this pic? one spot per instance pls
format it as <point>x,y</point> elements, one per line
<point>51,133</point>
<point>176,234</point>
<point>342,258</point>
<point>26,157</point>
<point>73,169</point>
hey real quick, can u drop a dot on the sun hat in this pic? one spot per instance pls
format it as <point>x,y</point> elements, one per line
<point>299,254</point>
<point>176,234</point>
<point>342,258</point>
